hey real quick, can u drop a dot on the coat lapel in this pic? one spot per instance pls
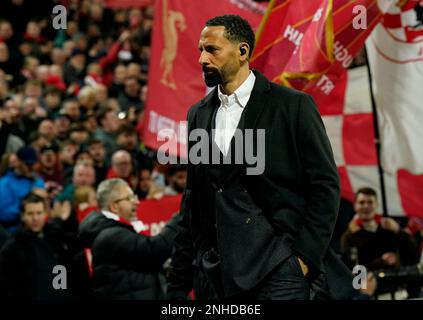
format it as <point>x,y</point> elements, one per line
<point>257,102</point>
<point>252,112</point>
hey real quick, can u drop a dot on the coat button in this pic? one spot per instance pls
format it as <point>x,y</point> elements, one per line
<point>248,220</point>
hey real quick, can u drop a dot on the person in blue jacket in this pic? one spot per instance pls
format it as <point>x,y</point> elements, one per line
<point>15,185</point>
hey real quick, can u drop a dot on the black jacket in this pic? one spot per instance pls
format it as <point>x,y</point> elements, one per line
<point>126,265</point>
<point>298,192</point>
<point>27,261</point>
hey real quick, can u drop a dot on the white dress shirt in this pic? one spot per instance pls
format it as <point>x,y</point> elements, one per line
<point>229,112</point>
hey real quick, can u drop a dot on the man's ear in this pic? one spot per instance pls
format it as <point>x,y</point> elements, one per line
<point>244,51</point>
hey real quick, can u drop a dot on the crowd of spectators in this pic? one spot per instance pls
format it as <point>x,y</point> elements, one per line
<point>71,102</point>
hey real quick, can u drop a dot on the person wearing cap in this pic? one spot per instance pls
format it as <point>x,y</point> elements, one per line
<point>49,167</point>
<point>75,69</point>
<point>16,184</point>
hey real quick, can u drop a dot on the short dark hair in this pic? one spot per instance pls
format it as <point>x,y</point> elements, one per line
<point>102,113</point>
<point>237,29</point>
<point>31,198</point>
<point>126,129</point>
<point>93,141</point>
<point>366,191</point>
<point>173,169</point>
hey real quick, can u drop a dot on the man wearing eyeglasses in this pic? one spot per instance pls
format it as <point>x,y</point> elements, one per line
<point>126,265</point>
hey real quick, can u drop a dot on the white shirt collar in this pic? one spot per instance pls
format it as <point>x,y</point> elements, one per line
<point>242,94</point>
<point>110,215</point>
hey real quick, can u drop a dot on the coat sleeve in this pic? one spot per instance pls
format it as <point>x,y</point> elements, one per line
<point>142,252</point>
<point>322,181</point>
<point>181,272</point>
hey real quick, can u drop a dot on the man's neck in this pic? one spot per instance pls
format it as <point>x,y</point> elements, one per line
<point>231,86</point>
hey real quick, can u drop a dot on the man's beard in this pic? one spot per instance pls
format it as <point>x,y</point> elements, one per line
<point>212,77</point>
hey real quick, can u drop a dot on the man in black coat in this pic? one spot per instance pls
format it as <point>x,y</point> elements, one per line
<point>29,260</point>
<point>126,265</point>
<point>257,228</point>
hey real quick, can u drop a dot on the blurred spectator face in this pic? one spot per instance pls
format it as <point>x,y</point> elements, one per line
<point>56,70</point>
<point>42,73</point>
<point>62,125</point>
<point>86,158</point>
<point>83,175</point>
<point>47,129</point>
<point>33,90</point>
<point>143,94</point>
<point>120,74</point>
<point>38,143</point>
<point>52,100</point>
<point>79,136</point>
<point>96,12</point>
<point>58,56</point>
<point>78,61</point>
<point>122,164</point>
<point>145,180</point>
<point>146,52</point>
<point>25,49</point>
<point>4,88</point>
<point>91,124</point>
<point>134,70</point>
<point>135,17</point>
<point>87,97</point>
<point>68,45</point>
<point>48,159</point>
<point>72,28</point>
<point>178,181</point>
<point>132,87</point>
<point>13,161</point>
<point>33,29</point>
<point>4,52</point>
<point>94,69</point>
<point>68,152</point>
<point>22,169</point>
<point>13,109</point>
<point>34,216</point>
<point>42,193</point>
<point>29,106</point>
<point>120,16</point>
<point>101,93</point>
<point>6,30</point>
<point>366,206</point>
<point>71,109</point>
<point>80,41</point>
<point>110,122</point>
<point>97,152</point>
<point>93,30</point>
<point>127,141</point>
<point>31,64</point>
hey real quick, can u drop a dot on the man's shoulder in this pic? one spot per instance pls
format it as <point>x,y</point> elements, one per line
<point>288,94</point>
<point>115,231</point>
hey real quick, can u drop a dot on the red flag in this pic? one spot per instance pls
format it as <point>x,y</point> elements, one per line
<point>308,45</point>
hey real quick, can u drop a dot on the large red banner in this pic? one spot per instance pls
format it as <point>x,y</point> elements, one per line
<point>308,45</point>
<point>154,214</point>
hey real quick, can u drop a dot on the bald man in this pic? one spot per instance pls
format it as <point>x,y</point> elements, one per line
<point>122,167</point>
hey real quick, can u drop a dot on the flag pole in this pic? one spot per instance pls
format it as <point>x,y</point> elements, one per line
<point>264,20</point>
<point>377,136</point>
